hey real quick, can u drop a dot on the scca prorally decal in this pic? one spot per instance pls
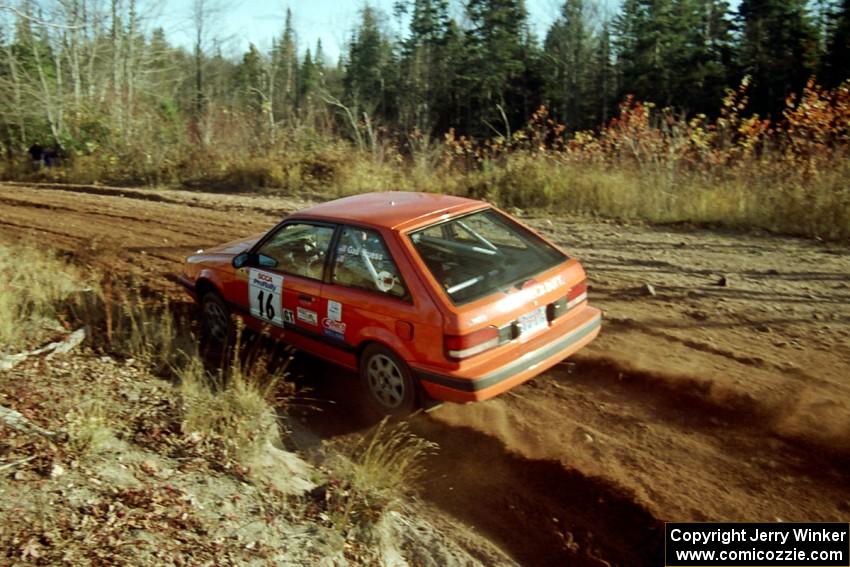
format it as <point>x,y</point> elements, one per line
<point>264,296</point>
<point>307,316</point>
<point>335,329</point>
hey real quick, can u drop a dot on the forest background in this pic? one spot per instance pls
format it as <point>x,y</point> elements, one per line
<point>662,110</point>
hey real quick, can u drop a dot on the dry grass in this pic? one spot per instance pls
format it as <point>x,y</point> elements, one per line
<point>762,193</point>
<point>759,195</point>
<point>809,205</point>
<point>389,459</point>
<point>126,322</point>
<point>145,331</point>
<point>235,410</point>
<point>34,285</point>
<point>374,475</point>
<point>89,426</point>
<point>236,405</point>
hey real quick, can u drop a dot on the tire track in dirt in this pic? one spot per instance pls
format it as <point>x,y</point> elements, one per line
<point>259,205</point>
<point>29,227</point>
<point>162,219</point>
<point>539,511</point>
<point>753,361</point>
<point>140,236</point>
<point>697,403</point>
<point>688,449</point>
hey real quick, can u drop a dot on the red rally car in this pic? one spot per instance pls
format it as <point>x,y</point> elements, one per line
<point>421,294</point>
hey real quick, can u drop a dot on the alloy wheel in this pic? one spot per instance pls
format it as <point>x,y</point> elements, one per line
<point>385,381</point>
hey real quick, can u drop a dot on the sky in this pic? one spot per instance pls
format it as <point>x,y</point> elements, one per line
<point>242,22</point>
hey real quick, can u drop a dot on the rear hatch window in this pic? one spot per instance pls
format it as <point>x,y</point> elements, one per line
<point>479,254</point>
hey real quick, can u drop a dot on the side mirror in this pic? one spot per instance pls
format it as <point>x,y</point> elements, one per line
<point>241,260</point>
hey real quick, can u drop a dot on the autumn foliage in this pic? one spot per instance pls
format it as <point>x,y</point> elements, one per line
<point>735,169</point>
<point>814,132</point>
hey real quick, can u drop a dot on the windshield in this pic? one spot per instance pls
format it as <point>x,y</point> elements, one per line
<point>480,253</point>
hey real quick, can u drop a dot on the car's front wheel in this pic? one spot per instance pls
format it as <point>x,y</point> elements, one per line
<point>388,381</point>
<point>216,317</point>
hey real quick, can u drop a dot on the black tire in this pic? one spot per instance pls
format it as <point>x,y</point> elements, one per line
<point>388,383</point>
<point>218,324</point>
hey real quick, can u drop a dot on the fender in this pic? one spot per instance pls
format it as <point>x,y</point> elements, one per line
<point>211,277</point>
<point>385,337</point>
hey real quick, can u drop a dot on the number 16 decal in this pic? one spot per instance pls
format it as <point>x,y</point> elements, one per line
<point>265,292</point>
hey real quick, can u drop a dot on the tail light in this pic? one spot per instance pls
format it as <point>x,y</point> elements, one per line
<point>464,346</point>
<point>577,294</point>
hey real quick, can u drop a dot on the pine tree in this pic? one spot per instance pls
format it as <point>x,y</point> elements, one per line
<point>603,77</point>
<point>568,52</point>
<point>423,81</point>
<point>498,51</point>
<point>370,73</point>
<point>309,83</point>
<point>701,62</point>
<point>319,61</point>
<point>648,41</point>
<point>837,58</point>
<point>284,70</point>
<point>675,53</point>
<point>250,80</point>
<point>778,49</point>
<point>449,107</point>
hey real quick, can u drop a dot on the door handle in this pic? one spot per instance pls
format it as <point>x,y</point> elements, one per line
<point>305,297</point>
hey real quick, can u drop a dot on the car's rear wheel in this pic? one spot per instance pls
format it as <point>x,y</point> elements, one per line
<point>216,316</point>
<point>388,381</point>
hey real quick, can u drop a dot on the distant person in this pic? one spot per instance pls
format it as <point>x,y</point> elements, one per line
<point>50,156</point>
<point>36,152</point>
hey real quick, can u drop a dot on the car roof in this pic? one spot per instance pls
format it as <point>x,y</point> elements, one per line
<point>391,209</point>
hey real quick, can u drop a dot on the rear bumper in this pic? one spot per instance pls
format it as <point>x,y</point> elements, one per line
<point>469,389</point>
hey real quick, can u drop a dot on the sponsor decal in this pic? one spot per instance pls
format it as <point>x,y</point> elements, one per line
<point>547,286</point>
<point>310,317</point>
<point>333,328</point>
<point>288,316</point>
<point>343,249</point>
<point>265,293</point>
<point>531,293</point>
<point>334,310</point>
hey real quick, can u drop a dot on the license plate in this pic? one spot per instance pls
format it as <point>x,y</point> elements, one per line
<point>532,321</point>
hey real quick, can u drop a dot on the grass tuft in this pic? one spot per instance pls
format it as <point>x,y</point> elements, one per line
<point>34,285</point>
<point>389,459</point>
<point>236,407</point>
<point>374,475</point>
<point>89,426</point>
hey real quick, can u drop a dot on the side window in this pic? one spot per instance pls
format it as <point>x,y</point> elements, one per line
<point>363,261</point>
<point>298,249</point>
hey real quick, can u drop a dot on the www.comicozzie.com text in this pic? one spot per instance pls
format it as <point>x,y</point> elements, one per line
<point>727,536</point>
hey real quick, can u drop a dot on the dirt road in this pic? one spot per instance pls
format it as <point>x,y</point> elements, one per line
<point>722,394</point>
